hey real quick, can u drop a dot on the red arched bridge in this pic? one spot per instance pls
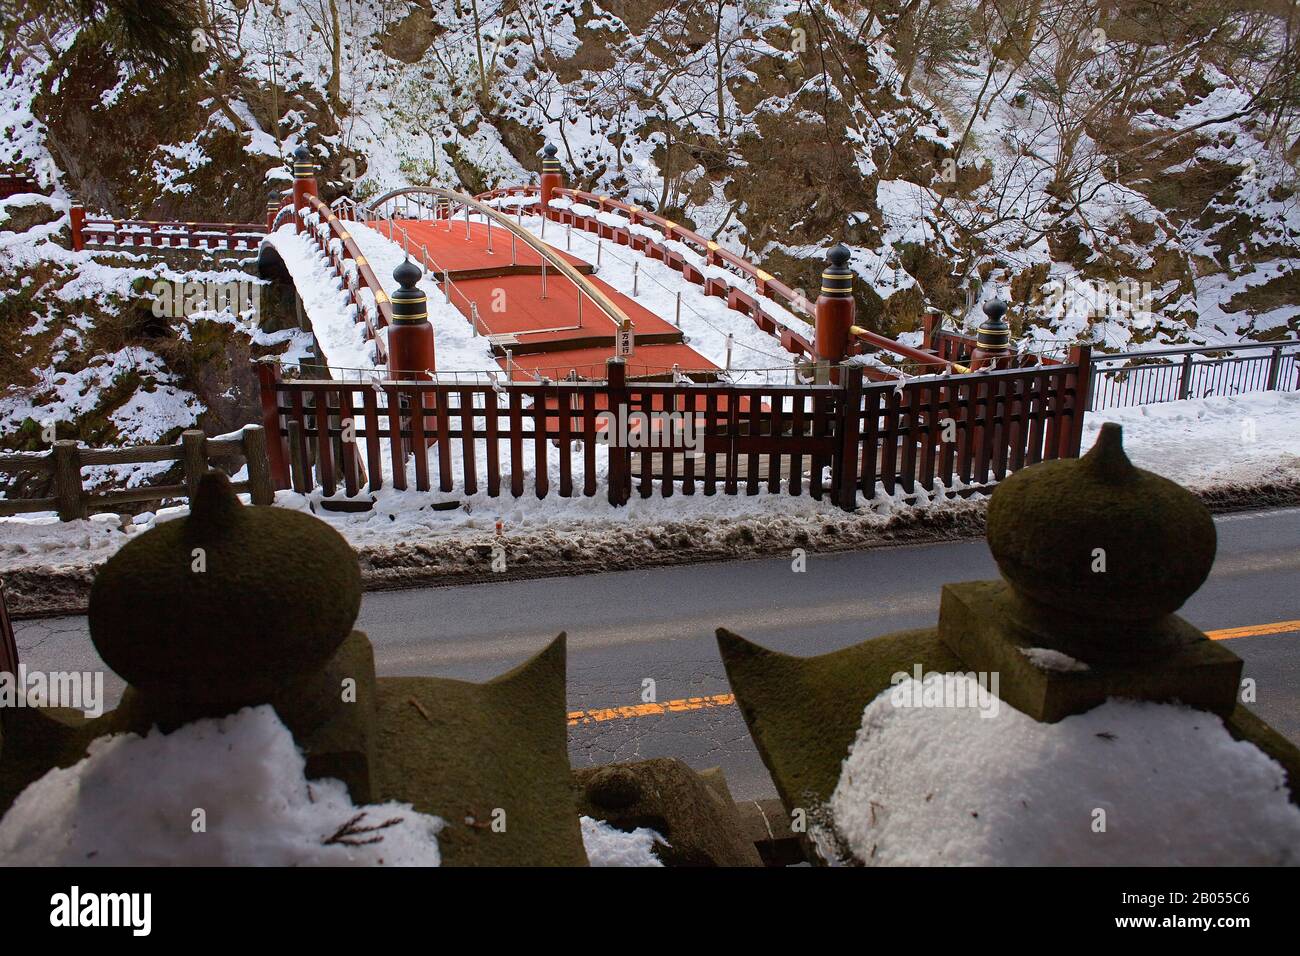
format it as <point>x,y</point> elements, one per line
<point>595,392</point>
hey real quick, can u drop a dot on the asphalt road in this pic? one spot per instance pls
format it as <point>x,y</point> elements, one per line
<point>627,627</point>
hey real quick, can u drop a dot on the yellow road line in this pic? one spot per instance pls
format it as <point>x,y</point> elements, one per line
<point>1254,630</point>
<point>649,710</point>
<point>685,704</point>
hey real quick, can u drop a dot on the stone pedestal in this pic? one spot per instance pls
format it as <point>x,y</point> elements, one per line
<point>979,623</point>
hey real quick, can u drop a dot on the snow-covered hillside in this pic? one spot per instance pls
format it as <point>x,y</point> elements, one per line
<point>1122,180</point>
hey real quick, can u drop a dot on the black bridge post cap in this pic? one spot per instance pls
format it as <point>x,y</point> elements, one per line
<point>407,274</point>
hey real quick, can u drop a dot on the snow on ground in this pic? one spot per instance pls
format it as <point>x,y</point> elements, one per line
<point>1125,784</point>
<point>134,801</point>
<point>1210,441</point>
<point>1197,443</point>
<point>608,846</point>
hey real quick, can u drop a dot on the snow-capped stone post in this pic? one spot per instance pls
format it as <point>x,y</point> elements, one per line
<point>410,337</point>
<point>993,340</point>
<point>1096,557</point>
<point>835,309</point>
<point>552,177</point>
<point>77,222</point>
<point>304,182</point>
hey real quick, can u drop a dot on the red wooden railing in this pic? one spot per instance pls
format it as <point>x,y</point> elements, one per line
<point>965,431</point>
<point>764,283</point>
<point>91,233</point>
<point>13,183</point>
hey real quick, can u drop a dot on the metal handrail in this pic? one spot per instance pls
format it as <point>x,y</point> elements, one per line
<point>561,265</point>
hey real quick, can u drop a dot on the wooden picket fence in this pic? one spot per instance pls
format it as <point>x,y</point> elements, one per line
<point>838,439</point>
<point>65,460</point>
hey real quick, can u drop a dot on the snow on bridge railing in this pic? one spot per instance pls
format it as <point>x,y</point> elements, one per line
<point>331,236</point>
<point>131,234</point>
<point>714,254</point>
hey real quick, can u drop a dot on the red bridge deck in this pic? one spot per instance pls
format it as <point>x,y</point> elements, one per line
<point>545,336</point>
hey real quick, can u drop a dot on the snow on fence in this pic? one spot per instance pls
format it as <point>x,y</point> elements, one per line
<point>961,432</point>
<point>1194,371</point>
<point>66,459</point>
<point>146,234</point>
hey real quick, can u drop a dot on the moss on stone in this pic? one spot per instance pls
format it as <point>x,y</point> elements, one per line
<point>277,593</point>
<point>1050,524</point>
<point>804,712</point>
<point>463,751</point>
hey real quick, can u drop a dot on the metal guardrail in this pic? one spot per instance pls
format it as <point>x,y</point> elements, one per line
<point>1126,379</point>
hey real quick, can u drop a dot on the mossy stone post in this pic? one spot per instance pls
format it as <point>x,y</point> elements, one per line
<point>189,616</point>
<point>304,183</point>
<point>993,340</point>
<point>835,309</point>
<point>552,177</point>
<point>1096,555</point>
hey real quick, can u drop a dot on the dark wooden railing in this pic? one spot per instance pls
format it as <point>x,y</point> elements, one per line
<point>966,431</point>
<point>14,182</point>
<point>65,460</point>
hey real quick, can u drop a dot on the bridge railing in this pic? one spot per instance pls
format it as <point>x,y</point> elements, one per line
<point>962,433</point>
<point>446,202</point>
<point>715,255</point>
<point>96,233</point>
<point>1193,371</point>
<point>352,268</point>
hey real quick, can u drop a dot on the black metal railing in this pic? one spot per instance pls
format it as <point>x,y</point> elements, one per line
<point>1193,371</point>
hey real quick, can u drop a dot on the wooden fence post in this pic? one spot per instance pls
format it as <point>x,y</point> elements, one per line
<point>1081,357</point>
<point>849,430</point>
<point>8,644</point>
<point>259,466</point>
<point>298,468</point>
<point>67,480</point>
<point>194,459</point>
<point>77,221</point>
<point>1185,377</point>
<point>268,377</point>
<point>620,456</point>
